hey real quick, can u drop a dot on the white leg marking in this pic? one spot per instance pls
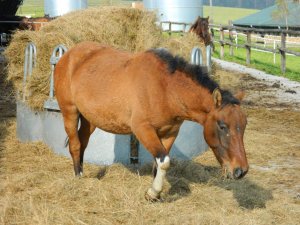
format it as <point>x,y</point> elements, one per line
<point>157,184</point>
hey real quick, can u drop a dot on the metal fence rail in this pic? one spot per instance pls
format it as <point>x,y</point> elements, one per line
<point>29,64</point>
<point>57,53</point>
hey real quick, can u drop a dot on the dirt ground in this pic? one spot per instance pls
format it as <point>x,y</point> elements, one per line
<point>38,187</point>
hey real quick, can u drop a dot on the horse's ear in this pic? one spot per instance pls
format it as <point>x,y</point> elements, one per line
<point>217,97</point>
<point>240,95</point>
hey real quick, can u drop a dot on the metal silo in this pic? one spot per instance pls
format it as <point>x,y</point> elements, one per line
<point>150,4</point>
<point>185,11</point>
<point>55,8</point>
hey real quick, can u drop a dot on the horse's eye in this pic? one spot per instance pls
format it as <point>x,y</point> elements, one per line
<point>222,126</point>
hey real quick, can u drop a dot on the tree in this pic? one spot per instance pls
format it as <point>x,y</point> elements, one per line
<point>282,11</point>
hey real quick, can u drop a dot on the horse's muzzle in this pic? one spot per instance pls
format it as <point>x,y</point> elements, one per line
<point>236,174</point>
<point>239,173</point>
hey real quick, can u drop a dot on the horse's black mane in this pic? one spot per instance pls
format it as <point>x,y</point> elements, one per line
<point>197,73</point>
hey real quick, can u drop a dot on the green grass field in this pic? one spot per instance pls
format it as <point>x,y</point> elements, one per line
<point>221,15</point>
<point>35,8</point>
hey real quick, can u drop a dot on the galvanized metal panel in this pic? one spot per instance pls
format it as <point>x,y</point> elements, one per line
<point>103,148</point>
<point>188,144</point>
<point>29,124</point>
<point>47,126</point>
<point>53,132</point>
<point>55,8</point>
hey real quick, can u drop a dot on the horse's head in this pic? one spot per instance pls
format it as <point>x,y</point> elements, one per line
<point>25,25</point>
<point>224,131</point>
<point>201,28</point>
<point>204,26</point>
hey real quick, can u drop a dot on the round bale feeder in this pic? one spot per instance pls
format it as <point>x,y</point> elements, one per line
<point>104,148</point>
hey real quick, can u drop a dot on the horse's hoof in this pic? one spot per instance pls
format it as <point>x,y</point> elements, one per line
<point>79,175</point>
<point>151,196</point>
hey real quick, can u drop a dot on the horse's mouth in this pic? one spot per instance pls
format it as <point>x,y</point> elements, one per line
<point>226,173</point>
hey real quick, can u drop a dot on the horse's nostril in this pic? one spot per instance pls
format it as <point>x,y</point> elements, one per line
<point>238,173</point>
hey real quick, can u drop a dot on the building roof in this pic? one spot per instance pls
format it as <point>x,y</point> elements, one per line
<point>264,18</point>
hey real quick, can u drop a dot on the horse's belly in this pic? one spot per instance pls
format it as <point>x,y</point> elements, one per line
<point>112,126</point>
<point>107,120</point>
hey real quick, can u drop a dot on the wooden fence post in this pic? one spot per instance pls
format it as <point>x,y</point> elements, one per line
<point>212,35</point>
<point>282,52</point>
<point>222,42</point>
<point>184,28</point>
<point>248,48</point>
<point>170,28</point>
<point>230,38</point>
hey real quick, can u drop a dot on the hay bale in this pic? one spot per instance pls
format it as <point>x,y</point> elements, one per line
<point>129,29</point>
<point>15,56</point>
<point>183,45</point>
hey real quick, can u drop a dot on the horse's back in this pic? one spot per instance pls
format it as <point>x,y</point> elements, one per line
<point>97,70</point>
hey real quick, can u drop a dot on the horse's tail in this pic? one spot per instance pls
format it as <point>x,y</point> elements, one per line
<point>66,141</point>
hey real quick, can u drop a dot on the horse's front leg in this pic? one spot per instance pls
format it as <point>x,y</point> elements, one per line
<point>147,135</point>
<point>162,165</point>
<point>167,143</point>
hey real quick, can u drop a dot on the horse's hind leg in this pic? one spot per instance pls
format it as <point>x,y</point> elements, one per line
<point>85,131</point>
<point>71,126</point>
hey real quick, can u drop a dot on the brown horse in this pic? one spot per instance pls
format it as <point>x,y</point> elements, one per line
<point>34,24</point>
<point>149,94</point>
<point>200,27</point>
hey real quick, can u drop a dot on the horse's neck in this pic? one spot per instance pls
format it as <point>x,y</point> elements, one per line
<point>193,101</point>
